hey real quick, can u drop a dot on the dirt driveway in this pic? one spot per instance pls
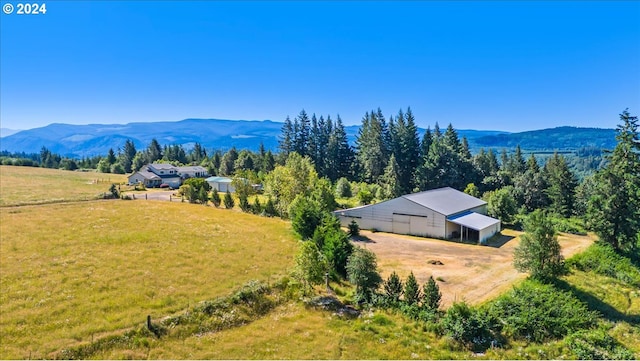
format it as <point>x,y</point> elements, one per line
<point>468,272</point>
<point>154,195</point>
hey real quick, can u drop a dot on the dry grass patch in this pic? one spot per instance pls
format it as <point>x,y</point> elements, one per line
<point>73,271</point>
<point>32,185</point>
<point>468,272</point>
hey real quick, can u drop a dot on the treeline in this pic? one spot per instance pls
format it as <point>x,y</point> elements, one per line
<point>390,157</point>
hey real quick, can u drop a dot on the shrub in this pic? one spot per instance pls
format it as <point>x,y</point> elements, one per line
<point>256,207</point>
<point>597,345</point>
<point>539,251</point>
<point>538,312</point>
<point>468,326</point>
<point>270,209</point>
<point>362,272</point>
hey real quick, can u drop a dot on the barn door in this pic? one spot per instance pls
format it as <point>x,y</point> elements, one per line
<point>401,224</point>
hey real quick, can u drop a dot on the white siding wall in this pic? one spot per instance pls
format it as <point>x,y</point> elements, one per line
<point>488,232</point>
<point>409,218</point>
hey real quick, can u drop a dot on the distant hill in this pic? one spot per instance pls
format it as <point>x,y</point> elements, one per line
<point>96,139</point>
<point>5,132</point>
<point>561,138</point>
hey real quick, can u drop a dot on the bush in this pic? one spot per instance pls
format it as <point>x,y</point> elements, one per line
<point>538,312</point>
<point>597,345</point>
<point>363,273</point>
<point>468,326</point>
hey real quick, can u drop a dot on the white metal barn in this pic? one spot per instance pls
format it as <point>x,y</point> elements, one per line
<point>440,213</point>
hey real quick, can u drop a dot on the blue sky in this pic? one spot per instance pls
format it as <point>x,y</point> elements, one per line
<point>480,65</point>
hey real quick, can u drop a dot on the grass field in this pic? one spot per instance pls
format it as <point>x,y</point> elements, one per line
<point>75,271</point>
<point>32,185</point>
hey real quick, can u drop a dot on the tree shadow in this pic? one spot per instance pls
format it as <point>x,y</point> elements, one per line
<point>595,304</point>
<point>363,239</point>
<point>499,240</point>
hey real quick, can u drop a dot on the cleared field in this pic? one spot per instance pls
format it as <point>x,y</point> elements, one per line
<point>31,185</point>
<point>469,272</point>
<point>74,271</point>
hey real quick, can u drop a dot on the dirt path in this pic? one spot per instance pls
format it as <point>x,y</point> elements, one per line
<point>469,272</point>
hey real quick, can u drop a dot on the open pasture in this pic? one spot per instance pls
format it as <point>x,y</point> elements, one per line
<point>33,185</point>
<point>74,271</point>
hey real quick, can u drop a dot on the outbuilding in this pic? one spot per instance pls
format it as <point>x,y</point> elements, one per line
<point>221,184</point>
<point>443,213</point>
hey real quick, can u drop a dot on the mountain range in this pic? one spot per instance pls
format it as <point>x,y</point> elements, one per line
<point>96,139</point>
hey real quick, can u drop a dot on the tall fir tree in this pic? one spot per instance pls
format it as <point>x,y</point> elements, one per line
<point>371,150</point>
<point>561,185</point>
<point>613,210</point>
<point>390,180</point>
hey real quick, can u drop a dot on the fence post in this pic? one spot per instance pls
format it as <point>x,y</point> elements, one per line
<point>145,196</point>
<point>149,326</point>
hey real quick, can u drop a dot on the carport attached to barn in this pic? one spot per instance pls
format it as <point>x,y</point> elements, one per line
<point>475,226</point>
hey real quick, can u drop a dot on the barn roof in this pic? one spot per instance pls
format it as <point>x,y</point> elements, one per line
<point>474,220</point>
<point>446,201</point>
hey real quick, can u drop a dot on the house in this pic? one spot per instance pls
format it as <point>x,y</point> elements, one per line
<point>192,172</point>
<point>145,177</point>
<point>221,184</point>
<point>441,213</point>
<point>156,174</point>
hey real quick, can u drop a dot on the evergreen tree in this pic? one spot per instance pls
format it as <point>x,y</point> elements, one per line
<point>256,207</point>
<point>302,133</point>
<point>286,138</point>
<point>228,162</point>
<point>215,198</point>
<point>111,157</point>
<point>406,147</point>
<point>427,139</point>
<point>390,180</point>
<point>339,153</point>
<point>539,251</point>
<point>244,202</point>
<point>561,185</point>
<point>228,201</point>
<point>154,151</point>
<point>531,187</point>
<point>393,288</point>
<point>128,154</point>
<point>371,151</point>
<point>412,294</point>
<point>432,295</point>
<point>269,208</point>
<point>614,208</point>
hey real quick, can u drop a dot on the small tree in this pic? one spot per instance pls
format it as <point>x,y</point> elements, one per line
<point>539,251</point>
<point>412,294</point>
<point>354,229</point>
<point>256,207</point>
<point>310,264</point>
<point>270,209</point>
<point>115,193</point>
<point>432,295</point>
<point>305,216</point>
<point>203,195</point>
<point>215,198</point>
<point>362,272</point>
<point>228,201</point>
<point>393,288</point>
<point>343,188</point>
<point>244,202</point>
